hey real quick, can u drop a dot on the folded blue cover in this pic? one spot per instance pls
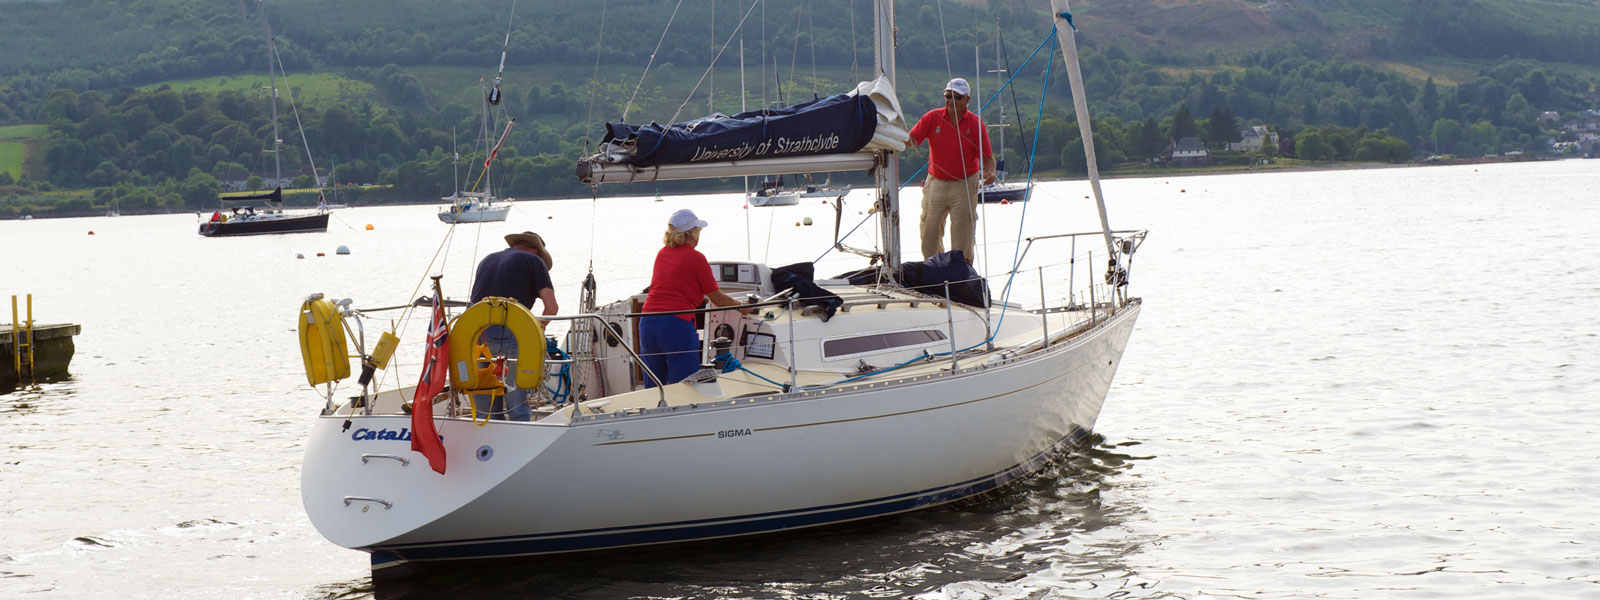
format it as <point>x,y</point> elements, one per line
<point>833,125</point>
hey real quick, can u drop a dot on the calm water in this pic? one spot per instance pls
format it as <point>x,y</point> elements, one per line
<point>1358,384</point>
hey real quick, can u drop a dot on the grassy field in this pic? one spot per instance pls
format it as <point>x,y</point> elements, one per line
<point>11,159</point>
<point>1456,71</point>
<point>13,146</point>
<point>18,132</point>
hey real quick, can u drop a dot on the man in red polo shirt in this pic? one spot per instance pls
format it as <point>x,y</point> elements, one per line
<point>957,144</point>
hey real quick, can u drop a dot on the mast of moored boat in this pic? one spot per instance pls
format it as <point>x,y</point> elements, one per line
<point>272,85</point>
<point>1000,72</point>
<point>888,173</point>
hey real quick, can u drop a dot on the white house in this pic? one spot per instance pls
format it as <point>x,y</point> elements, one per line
<point>1253,138</point>
<point>1188,152</point>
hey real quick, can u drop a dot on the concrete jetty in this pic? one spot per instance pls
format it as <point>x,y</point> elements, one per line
<point>52,352</point>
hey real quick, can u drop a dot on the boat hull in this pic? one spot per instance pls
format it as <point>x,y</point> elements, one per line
<point>264,226</point>
<point>475,215</point>
<point>779,199</point>
<point>757,466</point>
<point>1003,192</point>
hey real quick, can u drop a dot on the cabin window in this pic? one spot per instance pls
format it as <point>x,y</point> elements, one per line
<point>879,342</point>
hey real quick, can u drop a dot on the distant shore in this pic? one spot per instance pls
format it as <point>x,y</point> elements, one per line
<point>1141,174</point>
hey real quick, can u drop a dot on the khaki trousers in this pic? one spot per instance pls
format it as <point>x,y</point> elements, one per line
<point>957,200</point>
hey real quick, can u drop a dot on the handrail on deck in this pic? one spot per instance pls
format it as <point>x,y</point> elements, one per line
<point>662,393</point>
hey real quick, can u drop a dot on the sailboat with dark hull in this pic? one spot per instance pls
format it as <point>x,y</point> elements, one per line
<point>244,219</point>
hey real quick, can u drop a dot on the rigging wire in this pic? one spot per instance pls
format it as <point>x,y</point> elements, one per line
<point>652,61</point>
<point>494,94</point>
<point>811,31</point>
<point>594,80</point>
<point>711,83</point>
<point>713,65</point>
<point>1015,107</point>
<point>947,70</point>
<point>794,53</point>
<point>855,61</point>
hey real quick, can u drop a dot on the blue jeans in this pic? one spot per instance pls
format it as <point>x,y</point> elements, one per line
<point>514,404</point>
<point>670,348</point>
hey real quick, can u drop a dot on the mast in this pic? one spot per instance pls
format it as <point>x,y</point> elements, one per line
<point>1066,35</point>
<point>488,178</point>
<point>888,173</point>
<point>272,83</point>
<point>742,96</point>
<point>999,82</point>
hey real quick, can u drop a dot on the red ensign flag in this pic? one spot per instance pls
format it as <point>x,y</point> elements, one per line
<point>435,369</point>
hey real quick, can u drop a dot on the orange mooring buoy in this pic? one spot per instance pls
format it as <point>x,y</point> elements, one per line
<point>369,227</point>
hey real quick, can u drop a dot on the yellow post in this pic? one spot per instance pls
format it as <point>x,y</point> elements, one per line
<point>16,338</point>
<point>30,338</point>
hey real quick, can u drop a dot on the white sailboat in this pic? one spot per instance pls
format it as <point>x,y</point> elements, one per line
<point>472,206</point>
<point>466,206</point>
<point>774,193</point>
<point>884,399</point>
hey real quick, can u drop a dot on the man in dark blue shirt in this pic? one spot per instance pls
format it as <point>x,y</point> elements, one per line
<point>521,272</point>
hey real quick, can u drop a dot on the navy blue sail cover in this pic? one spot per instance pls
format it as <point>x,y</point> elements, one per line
<point>832,125</point>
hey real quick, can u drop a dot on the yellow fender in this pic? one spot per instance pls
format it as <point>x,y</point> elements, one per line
<point>322,341</point>
<point>467,371</point>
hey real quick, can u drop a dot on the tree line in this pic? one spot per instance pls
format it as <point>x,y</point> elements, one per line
<point>169,150</point>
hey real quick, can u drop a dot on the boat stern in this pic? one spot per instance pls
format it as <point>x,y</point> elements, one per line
<point>363,486</point>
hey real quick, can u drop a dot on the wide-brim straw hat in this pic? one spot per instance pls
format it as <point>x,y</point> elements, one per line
<point>532,239</point>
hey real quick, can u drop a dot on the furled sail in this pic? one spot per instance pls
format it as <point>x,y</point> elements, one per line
<point>276,195</point>
<point>865,119</point>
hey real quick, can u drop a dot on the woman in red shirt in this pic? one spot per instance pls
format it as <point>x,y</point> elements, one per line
<point>681,280</point>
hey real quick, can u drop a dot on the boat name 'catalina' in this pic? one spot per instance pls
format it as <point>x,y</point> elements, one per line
<point>364,434</point>
<point>733,433</point>
<point>820,143</point>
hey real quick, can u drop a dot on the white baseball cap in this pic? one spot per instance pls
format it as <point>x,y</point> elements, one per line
<point>684,220</point>
<point>959,86</point>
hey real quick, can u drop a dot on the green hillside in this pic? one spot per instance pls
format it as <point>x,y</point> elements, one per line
<point>163,98</point>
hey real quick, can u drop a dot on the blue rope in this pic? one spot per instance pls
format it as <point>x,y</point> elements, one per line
<point>563,387</point>
<point>1068,17</point>
<point>925,356</point>
<point>1017,250</point>
<point>731,364</point>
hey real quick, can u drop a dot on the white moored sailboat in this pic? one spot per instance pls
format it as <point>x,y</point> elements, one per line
<point>834,401</point>
<point>472,206</point>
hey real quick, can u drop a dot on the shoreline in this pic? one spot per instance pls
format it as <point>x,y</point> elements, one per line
<point>1339,166</point>
<point>1342,166</point>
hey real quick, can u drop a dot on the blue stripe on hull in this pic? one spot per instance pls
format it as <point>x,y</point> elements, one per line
<point>663,533</point>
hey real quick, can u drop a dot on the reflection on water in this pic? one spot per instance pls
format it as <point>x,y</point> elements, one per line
<point>1035,534</point>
